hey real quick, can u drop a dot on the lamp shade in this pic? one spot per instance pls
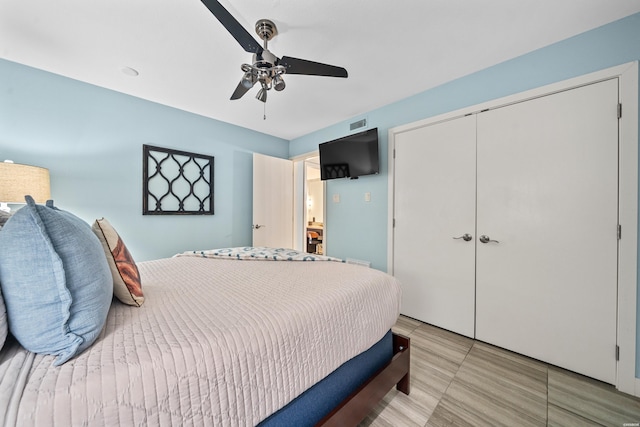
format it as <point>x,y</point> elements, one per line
<point>17,181</point>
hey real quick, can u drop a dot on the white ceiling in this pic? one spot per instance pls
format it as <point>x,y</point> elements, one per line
<point>186,59</point>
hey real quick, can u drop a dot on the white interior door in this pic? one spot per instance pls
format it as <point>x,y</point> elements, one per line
<point>434,175</point>
<point>272,202</point>
<point>547,192</point>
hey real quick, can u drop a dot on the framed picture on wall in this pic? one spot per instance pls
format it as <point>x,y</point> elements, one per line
<point>176,182</point>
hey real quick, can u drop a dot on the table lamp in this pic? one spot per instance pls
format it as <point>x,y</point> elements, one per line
<point>17,181</point>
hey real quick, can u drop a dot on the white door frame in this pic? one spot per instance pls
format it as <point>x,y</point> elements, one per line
<point>627,201</point>
<point>298,205</point>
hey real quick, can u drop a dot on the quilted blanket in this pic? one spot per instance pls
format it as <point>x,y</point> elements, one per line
<point>217,342</point>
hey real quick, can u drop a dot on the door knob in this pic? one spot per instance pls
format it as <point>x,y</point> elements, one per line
<point>257,226</point>
<point>487,239</point>
<point>466,237</point>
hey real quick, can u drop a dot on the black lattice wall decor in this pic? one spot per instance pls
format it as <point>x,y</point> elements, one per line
<point>176,182</point>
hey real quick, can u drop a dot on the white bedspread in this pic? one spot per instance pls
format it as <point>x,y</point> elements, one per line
<point>217,342</point>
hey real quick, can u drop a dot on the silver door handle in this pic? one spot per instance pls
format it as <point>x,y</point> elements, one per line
<point>466,237</point>
<point>257,226</point>
<point>487,239</point>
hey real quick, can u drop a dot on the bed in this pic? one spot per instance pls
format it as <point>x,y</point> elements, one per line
<point>229,342</point>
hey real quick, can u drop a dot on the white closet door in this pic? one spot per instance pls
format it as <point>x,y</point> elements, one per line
<point>435,202</point>
<point>547,191</point>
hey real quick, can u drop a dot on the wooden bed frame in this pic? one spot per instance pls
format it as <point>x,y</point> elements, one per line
<point>362,401</point>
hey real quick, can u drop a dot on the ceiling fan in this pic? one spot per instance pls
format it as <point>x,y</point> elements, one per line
<point>266,68</point>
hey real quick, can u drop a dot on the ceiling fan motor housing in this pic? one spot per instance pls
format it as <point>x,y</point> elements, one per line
<point>266,29</point>
<point>264,59</point>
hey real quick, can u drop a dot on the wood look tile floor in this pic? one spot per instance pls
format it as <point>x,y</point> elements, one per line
<point>456,381</point>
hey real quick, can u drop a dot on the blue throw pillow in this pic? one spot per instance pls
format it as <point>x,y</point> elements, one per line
<point>55,280</point>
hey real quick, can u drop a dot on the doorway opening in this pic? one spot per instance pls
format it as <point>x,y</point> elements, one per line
<point>309,212</point>
<point>314,207</point>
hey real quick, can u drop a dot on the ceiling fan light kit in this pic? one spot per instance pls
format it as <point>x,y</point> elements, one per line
<point>262,94</point>
<point>266,68</point>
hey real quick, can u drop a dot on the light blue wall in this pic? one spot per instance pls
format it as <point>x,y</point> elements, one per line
<point>91,141</point>
<point>358,229</point>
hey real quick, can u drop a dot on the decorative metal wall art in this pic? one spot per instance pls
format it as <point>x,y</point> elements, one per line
<point>176,182</point>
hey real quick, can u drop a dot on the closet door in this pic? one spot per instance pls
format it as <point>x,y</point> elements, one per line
<point>547,193</point>
<point>435,203</point>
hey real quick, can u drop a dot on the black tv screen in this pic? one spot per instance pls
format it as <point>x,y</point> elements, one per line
<point>351,156</point>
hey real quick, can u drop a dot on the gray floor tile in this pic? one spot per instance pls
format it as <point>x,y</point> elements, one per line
<point>591,399</point>
<point>496,387</point>
<point>456,381</point>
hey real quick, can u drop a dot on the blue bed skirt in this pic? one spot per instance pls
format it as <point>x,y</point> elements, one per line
<point>318,401</point>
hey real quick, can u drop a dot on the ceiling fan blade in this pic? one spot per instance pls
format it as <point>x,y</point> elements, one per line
<point>238,32</point>
<point>240,90</point>
<point>302,66</point>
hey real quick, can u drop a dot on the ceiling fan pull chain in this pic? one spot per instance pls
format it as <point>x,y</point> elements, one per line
<point>264,105</point>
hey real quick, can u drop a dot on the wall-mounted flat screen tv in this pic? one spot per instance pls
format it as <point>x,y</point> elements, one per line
<point>351,156</point>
